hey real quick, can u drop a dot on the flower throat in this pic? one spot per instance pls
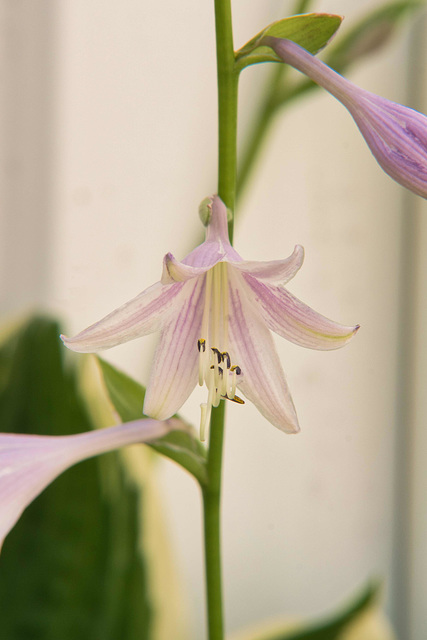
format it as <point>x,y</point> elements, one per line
<point>215,367</point>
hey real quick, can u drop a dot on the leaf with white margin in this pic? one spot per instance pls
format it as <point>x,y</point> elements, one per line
<point>127,397</point>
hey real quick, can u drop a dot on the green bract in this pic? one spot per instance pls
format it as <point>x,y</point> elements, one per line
<point>312,31</point>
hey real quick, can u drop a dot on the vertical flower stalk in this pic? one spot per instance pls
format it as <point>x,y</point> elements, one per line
<point>228,80</point>
<point>227,170</point>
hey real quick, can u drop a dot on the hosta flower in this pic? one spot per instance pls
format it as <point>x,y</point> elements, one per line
<point>214,312</point>
<point>396,135</point>
<point>28,463</point>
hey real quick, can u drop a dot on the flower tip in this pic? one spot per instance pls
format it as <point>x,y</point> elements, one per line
<point>299,252</point>
<point>213,205</point>
<point>293,430</point>
<point>205,210</point>
<point>167,277</point>
<point>66,341</point>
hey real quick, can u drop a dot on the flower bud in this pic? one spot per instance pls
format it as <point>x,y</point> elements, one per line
<point>396,135</point>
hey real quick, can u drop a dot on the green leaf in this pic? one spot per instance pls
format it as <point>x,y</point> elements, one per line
<point>72,567</point>
<point>333,627</point>
<point>370,34</point>
<point>312,31</point>
<point>127,397</point>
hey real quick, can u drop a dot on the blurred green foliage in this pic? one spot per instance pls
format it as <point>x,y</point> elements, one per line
<point>72,566</point>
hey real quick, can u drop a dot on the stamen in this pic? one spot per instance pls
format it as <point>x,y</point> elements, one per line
<point>215,368</point>
<point>201,345</point>
<point>218,354</point>
<point>237,399</point>
<point>220,370</point>
<point>216,372</point>
<point>236,371</point>
<point>226,357</point>
<point>217,397</point>
<point>224,382</point>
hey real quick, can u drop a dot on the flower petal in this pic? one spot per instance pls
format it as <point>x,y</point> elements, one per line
<point>209,253</point>
<point>138,317</point>
<point>175,271</point>
<point>217,245</point>
<point>252,349</point>
<point>295,321</point>
<point>175,364</point>
<point>274,271</point>
<point>217,229</point>
<point>29,463</point>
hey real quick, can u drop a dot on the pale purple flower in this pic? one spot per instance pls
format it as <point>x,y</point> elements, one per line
<point>214,312</point>
<point>396,135</point>
<point>29,463</point>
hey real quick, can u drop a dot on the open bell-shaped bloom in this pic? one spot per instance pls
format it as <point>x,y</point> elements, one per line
<point>396,135</point>
<point>214,312</point>
<point>29,463</point>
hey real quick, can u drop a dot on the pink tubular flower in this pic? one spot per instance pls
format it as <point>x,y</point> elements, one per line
<point>29,463</point>
<point>396,135</point>
<point>214,312</point>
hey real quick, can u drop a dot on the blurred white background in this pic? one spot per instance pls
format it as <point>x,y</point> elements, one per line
<point>108,146</point>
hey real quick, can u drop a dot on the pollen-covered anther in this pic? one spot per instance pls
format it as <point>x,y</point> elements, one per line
<point>203,360</point>
<point>217,353</point>
<point>236,399</point>
<point>226,358</point>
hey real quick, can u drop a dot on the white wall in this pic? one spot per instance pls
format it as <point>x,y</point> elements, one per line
<point>112,165</point>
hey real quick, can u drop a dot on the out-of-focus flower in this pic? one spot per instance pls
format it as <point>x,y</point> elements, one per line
<point>396,135</point>
<point>214,311</point>
<point>29,463</point>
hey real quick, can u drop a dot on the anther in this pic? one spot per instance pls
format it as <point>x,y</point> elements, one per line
<point>219,369</point>
<point>217,353</point>
<point>237,369</point>
<point>201,345</point>
<point>226,357</point>
<point>234,399</point>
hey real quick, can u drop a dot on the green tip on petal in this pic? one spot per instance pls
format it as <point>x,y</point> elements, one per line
<point>205,210</point>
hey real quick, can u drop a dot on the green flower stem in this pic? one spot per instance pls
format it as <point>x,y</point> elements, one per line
<point>228,79</point>
<point>212,524</point>
<point>227,170</point>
